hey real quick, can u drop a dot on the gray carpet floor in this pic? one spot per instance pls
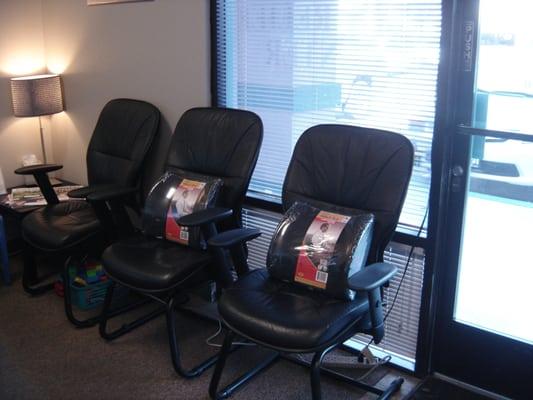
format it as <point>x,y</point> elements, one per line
<point>42,356</point>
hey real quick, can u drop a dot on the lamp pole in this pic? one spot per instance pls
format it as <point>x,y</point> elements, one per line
<point>45,161</point>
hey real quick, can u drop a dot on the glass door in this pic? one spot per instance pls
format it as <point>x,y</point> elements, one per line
<point>485,319</point>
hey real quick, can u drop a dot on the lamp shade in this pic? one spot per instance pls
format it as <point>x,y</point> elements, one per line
<point>36,95</point>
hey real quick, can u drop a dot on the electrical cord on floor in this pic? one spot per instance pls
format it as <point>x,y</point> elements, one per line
<point>209,340</point>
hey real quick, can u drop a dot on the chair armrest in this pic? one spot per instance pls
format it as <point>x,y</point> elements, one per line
<point>111,193</point>
<point>80,193</point>
<point>109,205</point>
<point>369,280</point>
<point>202,217</point>
<point>38,168</point>
<point>233,237</point>
<point>83,192</point>
<point>372,277</point>
<point>39,172</point>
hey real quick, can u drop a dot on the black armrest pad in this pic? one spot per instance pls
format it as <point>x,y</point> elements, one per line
<point>33,169</point>
<point>372,276</point>
<point>80,193</point>
<point>233,237</point>
<point>205,216</point>
<point>111,193</point>
<point>85,191</point>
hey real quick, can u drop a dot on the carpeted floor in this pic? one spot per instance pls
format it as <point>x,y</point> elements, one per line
<point>42,356</point>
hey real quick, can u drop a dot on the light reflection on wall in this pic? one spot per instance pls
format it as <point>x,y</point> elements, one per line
<point>22,64</point>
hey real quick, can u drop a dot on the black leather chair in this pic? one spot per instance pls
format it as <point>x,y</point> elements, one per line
<point>120,142</point>
<point>213,142</point>
<point>340,169</point>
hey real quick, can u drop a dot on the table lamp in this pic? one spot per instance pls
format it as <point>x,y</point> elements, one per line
<point>37,95</point>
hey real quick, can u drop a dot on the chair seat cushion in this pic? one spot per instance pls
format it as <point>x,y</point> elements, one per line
<point>151,264</point>
<point>59,226</point>
<point>284,315</point>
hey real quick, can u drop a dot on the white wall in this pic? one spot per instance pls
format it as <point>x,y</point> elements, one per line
<point>21,53</point>
<point>157,51</point>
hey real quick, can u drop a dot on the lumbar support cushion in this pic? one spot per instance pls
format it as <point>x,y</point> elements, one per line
<point>320,249</point>
<point>174,196</point>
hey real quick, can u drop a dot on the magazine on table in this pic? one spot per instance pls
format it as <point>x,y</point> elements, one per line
<point>32,196</point>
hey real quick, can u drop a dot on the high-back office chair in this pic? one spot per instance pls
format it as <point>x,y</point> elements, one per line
<point>120,142</point>
<point>341,169</point>
<point>210,143</point>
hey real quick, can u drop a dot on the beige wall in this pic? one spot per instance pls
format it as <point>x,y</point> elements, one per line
<point>157,51</point>
<point>21,53</point>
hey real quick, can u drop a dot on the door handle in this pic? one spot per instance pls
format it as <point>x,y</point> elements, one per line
<point>457,178</point>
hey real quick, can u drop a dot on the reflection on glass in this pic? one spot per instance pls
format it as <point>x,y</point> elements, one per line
<point>504,89</point>
<point>496,268</point>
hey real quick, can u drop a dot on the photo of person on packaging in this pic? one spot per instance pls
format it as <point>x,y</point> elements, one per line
<point>312,267</point>
<point>182,203</point>
<point>320,246</point>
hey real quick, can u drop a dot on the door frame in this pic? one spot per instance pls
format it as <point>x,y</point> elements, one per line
<point>446,346</point>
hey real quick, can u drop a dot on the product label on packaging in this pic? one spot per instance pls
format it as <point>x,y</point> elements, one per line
<point>182,203</point>
<point>317,248</point>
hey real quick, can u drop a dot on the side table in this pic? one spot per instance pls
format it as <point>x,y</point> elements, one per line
<point>10,233</point>
<point>10,220</point>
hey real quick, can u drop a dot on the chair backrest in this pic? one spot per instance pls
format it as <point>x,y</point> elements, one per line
<point>218,142</point>
<point>338,167</point>
<point>122,137</point>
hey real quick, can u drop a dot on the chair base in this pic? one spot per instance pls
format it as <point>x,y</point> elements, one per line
<point>167,307</point>
<point>314,365</point>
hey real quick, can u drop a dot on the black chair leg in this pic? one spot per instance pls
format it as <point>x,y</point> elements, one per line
<point>67,300</point>
<point>174,348</point>
<point>107,314</point>
<point>102,327</point>
<point>222,357</point>
<point>29,274</point>
<point>241,380</point>
<point>167,309</point>
<point>315,373</point>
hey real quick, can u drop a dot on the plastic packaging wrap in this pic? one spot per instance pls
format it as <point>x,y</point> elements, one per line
<point>320,249</point>
<point>174,196</point>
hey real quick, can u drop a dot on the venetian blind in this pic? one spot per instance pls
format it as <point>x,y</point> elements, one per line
<point>298,63</point>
